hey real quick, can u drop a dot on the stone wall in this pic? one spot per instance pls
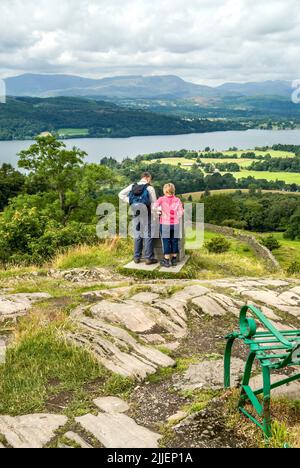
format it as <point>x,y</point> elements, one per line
<point>260,250</point>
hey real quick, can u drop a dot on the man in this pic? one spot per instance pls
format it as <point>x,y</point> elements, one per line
<point>141,197</point>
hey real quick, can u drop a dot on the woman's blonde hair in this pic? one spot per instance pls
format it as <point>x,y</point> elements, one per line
<point>169,189</point>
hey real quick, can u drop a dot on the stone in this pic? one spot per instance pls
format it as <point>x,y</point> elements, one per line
<point>114,293</point>
<point>145,297</point>
<point>179,416</point>
<point>2,351</point>
<point>290,298</point>
<point>153,339</point>
<point>78,440</point>
<point>270,314</point>
<point>118,431</point>
<point>269,298</point>
<point>230,305</point>
<point>290,391</point>
<point>208,306</point>
<point>31,431</point>
<point>112,405</point>
<point>121,353</point>
<point>141,266</point>
<point>190,292</point>
<point>210,375</point>
<point>137,318</point>
<point>19,304</point>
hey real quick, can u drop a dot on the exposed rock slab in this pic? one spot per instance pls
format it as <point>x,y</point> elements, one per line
<point>121,353</point>
<point>210,375</point>
<point>145,297</point>
<point>208,306</point>
<point>291,391</point>
<point>132,316</point>
<point>118,431</point>
<point>111,405</point>
<point>32,431</point>
<point>18,304</point>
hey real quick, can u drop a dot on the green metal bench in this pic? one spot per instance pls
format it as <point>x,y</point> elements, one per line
<point>273,349</point>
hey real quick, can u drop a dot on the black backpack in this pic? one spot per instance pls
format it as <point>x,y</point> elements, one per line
<point>139,195</point>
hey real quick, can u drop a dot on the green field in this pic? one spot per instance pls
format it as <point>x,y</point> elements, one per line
<point>175,161</point>
<point>73,132</point>
<point>273,153</point>
<point>289,250</point>
<point>197,195</point>
<point>288,177</point>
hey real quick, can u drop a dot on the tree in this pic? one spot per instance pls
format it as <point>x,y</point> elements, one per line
<point>11,184</point>
<point>48,159</point>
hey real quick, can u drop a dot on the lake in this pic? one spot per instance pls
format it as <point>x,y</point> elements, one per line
<point>120,148</point>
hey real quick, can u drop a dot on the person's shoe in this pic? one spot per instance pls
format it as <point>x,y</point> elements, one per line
<point>165,263</point>
<point>137,260</point>
<point>151,261</point>
<point>174,262</point>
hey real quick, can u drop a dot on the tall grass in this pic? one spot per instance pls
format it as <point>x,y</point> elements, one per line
<point>41,364</point>
<point>110,254</point>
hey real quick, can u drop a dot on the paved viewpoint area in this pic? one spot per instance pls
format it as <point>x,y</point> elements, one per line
<point>137,331</point>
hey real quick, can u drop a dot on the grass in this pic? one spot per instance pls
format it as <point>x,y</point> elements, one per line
<point>73,132</point>
<point>196,196</point>
<point>273,153</point>
<point>288,177</point>
<point>110,254</point>
<point>289,250</point>
<point>45,372</point>
<point>175,161</point>
<point>41,364</point>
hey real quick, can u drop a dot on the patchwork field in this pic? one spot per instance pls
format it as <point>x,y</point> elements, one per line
<point>197,195</point>
<point>273,153</point>
<point>73,132</point>
<point>288,177</point>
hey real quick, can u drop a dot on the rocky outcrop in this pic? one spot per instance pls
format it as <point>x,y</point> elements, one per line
<point>12,306</point>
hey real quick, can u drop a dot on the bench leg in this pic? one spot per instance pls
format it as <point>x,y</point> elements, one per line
<point>227,363</point>
<point>247,376</point>
<point>267,401</point>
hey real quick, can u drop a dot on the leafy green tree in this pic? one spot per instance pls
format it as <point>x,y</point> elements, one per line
<point>11,184</point>
<point>49,159</point>
<point>218,208</point>
<point>77,185</point>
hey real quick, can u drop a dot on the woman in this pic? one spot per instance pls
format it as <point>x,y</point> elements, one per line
<point>171,211</point>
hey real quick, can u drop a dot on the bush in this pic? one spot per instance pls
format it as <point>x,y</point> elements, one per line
<point>270,242</point>
<point>294,268</point>
<point>218,245</point>
<point>234,223</point>
<point>27,236</point>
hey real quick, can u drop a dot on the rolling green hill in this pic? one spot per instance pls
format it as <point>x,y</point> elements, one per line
<point>23,118</point>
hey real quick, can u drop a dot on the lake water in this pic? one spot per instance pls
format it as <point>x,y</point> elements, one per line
<point>120,148</point>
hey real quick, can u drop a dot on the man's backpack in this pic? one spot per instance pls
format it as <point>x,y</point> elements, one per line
<point>139,195</point>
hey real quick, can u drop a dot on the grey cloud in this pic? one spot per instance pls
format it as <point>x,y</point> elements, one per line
<point>201,40</point>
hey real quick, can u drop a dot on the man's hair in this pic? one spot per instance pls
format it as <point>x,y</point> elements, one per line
<point>146,175</point>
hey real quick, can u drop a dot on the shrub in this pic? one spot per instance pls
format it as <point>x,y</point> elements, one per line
<point>27,236</point>
<point>270,242</point>
<point>218,245</point>
<point>294,268</point>
<point>234,223</point>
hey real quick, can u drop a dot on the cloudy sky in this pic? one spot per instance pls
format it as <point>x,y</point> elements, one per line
<point>205,41</point>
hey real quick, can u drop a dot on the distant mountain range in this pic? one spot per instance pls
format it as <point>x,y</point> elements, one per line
<point>137,87</point>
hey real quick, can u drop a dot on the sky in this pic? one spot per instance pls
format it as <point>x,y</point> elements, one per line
<point>204,41</point>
